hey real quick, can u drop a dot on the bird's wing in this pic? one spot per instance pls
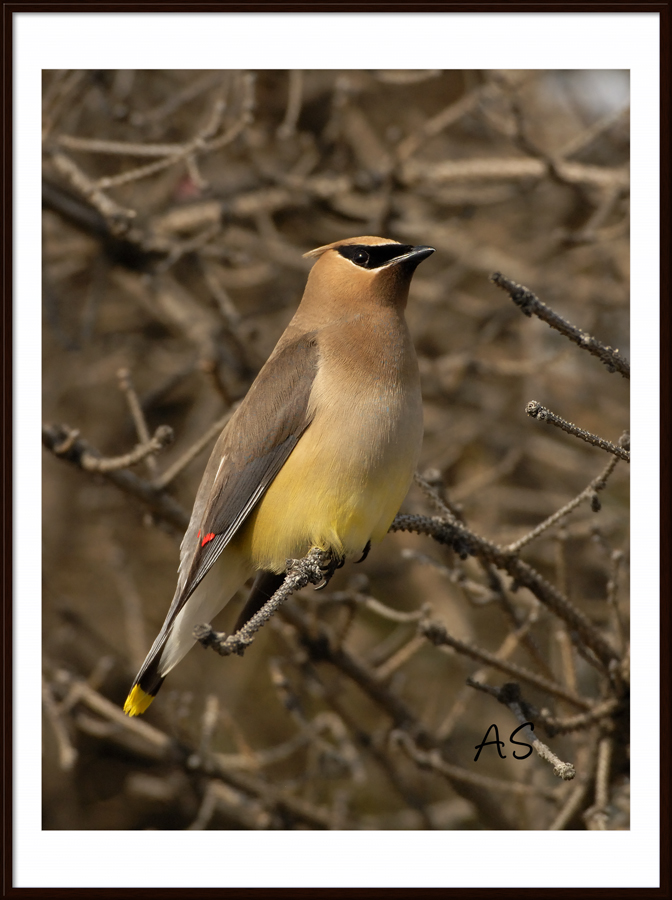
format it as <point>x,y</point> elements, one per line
<point>246,458</point>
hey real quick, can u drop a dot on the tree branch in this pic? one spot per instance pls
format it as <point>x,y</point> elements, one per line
<point>66,444</point>
<point>537,411</point>
<point>529,303</point>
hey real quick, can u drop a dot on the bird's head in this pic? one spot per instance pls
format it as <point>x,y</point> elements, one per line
<point>365,270</point>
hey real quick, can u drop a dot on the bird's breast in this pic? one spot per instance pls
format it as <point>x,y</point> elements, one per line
<point>349,473</point>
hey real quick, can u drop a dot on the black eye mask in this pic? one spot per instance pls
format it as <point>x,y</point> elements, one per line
<point>372,257</point>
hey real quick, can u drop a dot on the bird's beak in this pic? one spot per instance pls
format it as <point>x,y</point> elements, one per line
<point>414,256</point>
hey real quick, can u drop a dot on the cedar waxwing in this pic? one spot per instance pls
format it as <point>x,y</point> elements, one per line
<point>320,453</point>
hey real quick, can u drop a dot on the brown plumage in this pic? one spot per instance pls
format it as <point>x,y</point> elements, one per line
<point>321,451</point>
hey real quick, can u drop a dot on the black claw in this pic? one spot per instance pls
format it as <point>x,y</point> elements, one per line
<point>336,562</point>
<point>365,553</point>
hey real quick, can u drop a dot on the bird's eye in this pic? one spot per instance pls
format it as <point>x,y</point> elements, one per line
<point>360,258</point>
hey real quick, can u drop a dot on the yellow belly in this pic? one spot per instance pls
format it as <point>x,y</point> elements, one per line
<point>332,497</point>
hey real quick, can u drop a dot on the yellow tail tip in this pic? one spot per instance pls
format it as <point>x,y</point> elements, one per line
<point>137,701</point>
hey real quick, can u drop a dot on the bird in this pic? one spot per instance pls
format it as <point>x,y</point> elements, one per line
<point>320,453</point>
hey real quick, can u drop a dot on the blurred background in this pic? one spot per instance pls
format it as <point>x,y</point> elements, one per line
<point>177,207</point>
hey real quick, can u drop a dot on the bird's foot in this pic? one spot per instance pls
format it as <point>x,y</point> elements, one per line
<point>331,563</point>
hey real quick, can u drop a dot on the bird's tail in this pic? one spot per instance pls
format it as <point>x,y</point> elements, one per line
<point>143,691</point>
<point>176,637</point>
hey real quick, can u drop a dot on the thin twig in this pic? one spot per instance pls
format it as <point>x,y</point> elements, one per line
<point>67,753</point>
<point>66,444</point>
<point>437,633</point>
<point>78,691</point>
<point>447,117</point>
<point>509,695</point>
<point>584,138</point>
<point>90,462</point>
<point>116,148</point>
<point>294,98</point>
<point>513,168</point>
<point>126,385</point>
<point>562,171</point>
<point>273,796</point>
<point>597,816</point>
<point>159,745</point>
<point>584,720</point>
<point>260,758</point>
<point>536,411</point>
<point>529,303</point>
<point>386,669</point>
<point>465,542</point>
<point>506,650</point>
<point>131,602</point>
<point>442,506</point>
<point>380,609</point>
<point>571,807</point>
<point>476,593</point>
<point>433,762</point>
<point>117,217</point>
<point>319,641</point>
<point>209,723</point>
<point>589,493</point>
<point>198,143</point>
<point>521,626</point>
<point>378,750</point>
<point>616,558</point>
<point>178,98</point>
<point>567,662</point>
<point>246,811</point>
<point>310,732</point>
<point>450,511</point>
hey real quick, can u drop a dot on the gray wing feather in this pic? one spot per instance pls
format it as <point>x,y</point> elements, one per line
<point>254,445</point>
